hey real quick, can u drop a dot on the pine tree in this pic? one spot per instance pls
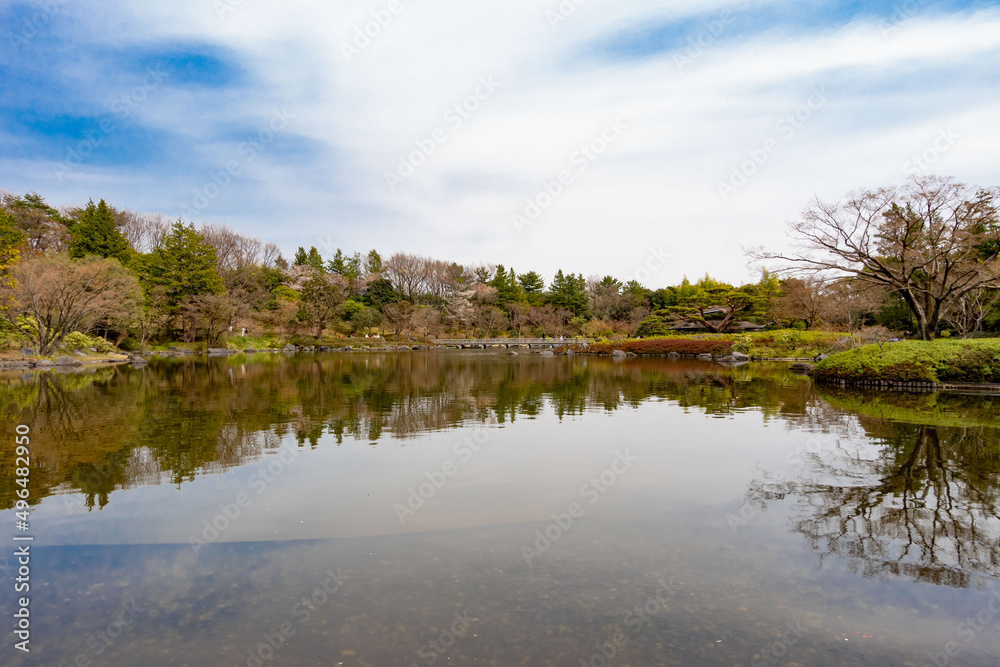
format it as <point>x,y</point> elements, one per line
<point>315,260</point>
<point>300,257</point>
<point>184,266</point>
<point>533,287</point>
<point>96,234</point>
<point>336,265</point>
<point>570,292</point>
<point>373,263</point>
<point>507,287</point>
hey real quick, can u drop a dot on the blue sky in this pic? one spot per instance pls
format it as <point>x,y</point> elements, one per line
<point>594,140</point>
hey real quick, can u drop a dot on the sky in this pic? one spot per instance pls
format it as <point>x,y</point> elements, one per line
<point>645,140</point>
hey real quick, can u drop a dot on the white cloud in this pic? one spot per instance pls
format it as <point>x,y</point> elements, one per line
<point>656,185</point>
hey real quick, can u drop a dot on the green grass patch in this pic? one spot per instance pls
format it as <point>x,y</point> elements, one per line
<point>263,342</point>
<point>915,361</point>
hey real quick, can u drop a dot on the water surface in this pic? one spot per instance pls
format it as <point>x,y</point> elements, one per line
<point>483,509</point>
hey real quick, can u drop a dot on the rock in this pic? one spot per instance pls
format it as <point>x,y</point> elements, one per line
<point>80,354</point>
<point>288,348</point>
<point>619,354</point>
<point>705,357</point>
<point>92,349</point>
<point>27,351</point>
<point>547,353</point>
<point>403,347</point>
<point>218,352</point>
<point>67,361</point>
<point>726,359</point>
<point>43,363</point>
<point>513,354</point>
<point>739,356</point>
<point>250,350</point>
<point>821,357</point>
<point>800,367</point>
<point>570,353</point>
<point>674,355</point>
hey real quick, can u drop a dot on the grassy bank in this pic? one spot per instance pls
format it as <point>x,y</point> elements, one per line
<point>915,361</point>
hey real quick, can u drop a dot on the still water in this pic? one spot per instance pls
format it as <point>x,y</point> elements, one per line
<point>439,508</point>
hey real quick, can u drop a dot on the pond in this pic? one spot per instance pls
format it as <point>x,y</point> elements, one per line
<point>475,508</point>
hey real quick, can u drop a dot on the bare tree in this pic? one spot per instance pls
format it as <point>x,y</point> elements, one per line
<point>143,231</point>
<point>967,313</point>
<point>56,296</point>
<point>851,302</point>
<point>408,274</point>
<point>931,241</point>
<point>236,251</point>
<point>426,320</point>
<point>214,313</point>
<point>399,315</point>
<point>489,319</point>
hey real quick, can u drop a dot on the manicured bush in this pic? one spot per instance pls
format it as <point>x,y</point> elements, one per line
<point>915,361</point>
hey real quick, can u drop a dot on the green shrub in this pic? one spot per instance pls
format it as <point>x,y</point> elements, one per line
<point>286,293</point>
<point>81,341</point>
<point>920,361</point>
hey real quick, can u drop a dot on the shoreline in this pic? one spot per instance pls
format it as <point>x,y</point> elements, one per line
<point>68,363</point>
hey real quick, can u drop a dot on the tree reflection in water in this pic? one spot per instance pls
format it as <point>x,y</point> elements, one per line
<point>106,429</point>
<point>912,500</point>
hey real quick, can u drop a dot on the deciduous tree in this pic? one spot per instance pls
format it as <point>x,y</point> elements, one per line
<point>321,295</point>
<point>56,295</point>
<point>932,242</point>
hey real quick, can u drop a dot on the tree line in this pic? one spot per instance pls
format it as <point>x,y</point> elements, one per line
<point>911,259</point>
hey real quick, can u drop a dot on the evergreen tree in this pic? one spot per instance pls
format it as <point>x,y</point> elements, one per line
<point>531,282</point>
<point>570,292</point>
<point>507,287</point>
<point>373,263</point>
<point>314,259</point>
<point>380,292</point>
<point>301,259</point>
<point>335,265</point>
<point>96,234</point>
<point>184,266</point>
